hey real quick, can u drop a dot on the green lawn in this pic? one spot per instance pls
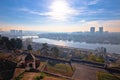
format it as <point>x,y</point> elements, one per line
<point>63,69</point>
<point>37,76</point>
<point>107,76</point>
<point>20,76</point>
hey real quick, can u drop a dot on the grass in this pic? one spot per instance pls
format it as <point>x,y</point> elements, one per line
<point>41,65</point>
<point>41,76</point>
<point>63,69</point>
<point>107,76</point>
<point>20,76</point>
<point>53,78</point>
<point>37,76</point>
<point>30,76</point>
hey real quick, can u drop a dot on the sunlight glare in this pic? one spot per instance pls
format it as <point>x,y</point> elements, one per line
<point>60,10</point>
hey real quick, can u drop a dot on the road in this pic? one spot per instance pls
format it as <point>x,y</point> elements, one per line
<point>84,72</point>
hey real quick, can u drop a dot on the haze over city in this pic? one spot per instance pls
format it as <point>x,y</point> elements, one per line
<point>59,39</point>
<point>60,15</point>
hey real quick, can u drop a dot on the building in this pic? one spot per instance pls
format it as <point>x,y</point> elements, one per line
<point>29,62</point>
<point>13,32</point>
<point>92,29</point>
<point>0,30</point>
<point>100,29</point>
<point>102,51</point>
<point>16,32</point>
<point>19,33</point>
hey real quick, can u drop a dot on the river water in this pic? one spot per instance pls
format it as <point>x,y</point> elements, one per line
<point>112,48</point>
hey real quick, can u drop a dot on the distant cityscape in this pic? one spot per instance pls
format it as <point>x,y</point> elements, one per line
<point>91,36</point>
<point>14,32</point>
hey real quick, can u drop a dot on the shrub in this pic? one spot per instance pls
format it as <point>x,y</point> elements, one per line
<point>37,78</point>
<point>107,76</point>
<point>42,75</point>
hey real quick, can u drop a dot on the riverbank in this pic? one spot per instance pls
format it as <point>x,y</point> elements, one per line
<point>110,48</point>
<point>92,38</point>
<point>37,45</point>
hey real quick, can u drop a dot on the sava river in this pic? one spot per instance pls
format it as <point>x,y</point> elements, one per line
<point>112,48</point>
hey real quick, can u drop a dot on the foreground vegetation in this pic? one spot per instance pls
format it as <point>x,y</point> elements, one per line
<point>36,76</point>
<point>10,44</point>
<point>107,76</point>
<point>89,57</point>
<point>62,69</point>
<point>9,48</point>
<point>6,68</point>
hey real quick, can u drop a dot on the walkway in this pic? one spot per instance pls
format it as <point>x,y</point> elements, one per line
<point>84,72</point>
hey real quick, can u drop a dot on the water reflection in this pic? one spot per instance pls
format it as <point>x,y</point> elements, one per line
<point>110,47</point>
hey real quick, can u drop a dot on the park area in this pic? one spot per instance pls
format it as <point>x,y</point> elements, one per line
<point>107,76</point>
<point>60,69</point>
<point>37,76</point>
<point>47,71</point>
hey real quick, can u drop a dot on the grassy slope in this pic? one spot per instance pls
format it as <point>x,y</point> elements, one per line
<point>107,76</point>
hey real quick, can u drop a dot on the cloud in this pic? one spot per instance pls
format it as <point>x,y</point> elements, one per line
<point>86,2</point>
<point>58,10</point>
<point>93,2</point>
<point>63,13</point>
<point>32,11</point>
<point>82,21</point>
<point>56,15</point>
<point>63,10</point>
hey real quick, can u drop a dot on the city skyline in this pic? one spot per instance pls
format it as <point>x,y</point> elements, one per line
<point>60,15</point>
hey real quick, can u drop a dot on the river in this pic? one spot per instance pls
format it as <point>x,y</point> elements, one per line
<point>111,48</point>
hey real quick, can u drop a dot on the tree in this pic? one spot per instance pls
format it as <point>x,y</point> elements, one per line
<point>0,40</point>
<point>13,44</point>
<point>92,57</point>
<point>45,45</point>
<point>55,51</point>
<point>8,45</point>
<point>44,50</point>
<point>100,59</point>
<point>29,47</point>
<point>4,40</point>
<point>19,43</point>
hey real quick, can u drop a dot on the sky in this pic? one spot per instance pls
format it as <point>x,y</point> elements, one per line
<point>60,15</point>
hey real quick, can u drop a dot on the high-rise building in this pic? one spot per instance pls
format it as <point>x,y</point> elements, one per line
<point>0,30</point>
<point>101,29</point>
<point>92,29</point>
<point>20,32</point>
<point>13,31</point>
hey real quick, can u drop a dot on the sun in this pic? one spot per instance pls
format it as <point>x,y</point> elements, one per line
<point>59,6</point>
<point>60,9</point>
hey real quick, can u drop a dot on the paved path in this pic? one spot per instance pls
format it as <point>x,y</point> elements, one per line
<point>84,72</point>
